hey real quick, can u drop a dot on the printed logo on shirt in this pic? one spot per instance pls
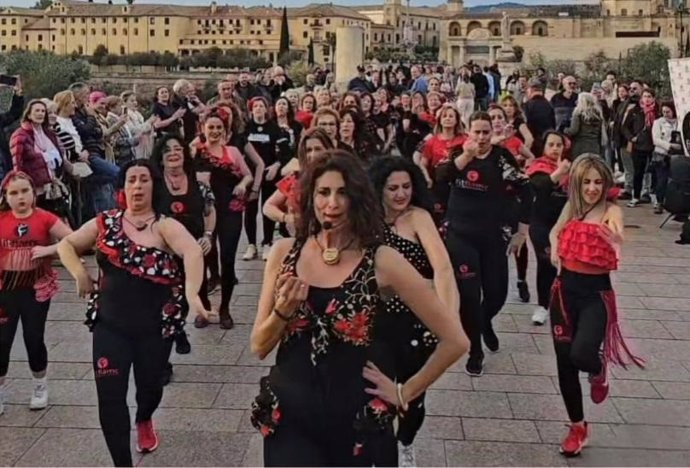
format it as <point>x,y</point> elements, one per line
<point>259,138</point>
<point>22,230</point>
<point>103,368</point>
<point>471,182</point>
<point>465,273</point>
<point>177,207</point>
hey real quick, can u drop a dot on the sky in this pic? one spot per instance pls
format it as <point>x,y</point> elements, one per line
<point>292,3</point>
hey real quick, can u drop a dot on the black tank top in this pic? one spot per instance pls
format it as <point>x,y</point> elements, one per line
<point>140,289</point>
<point>188,208</point>
<point>317,378</point>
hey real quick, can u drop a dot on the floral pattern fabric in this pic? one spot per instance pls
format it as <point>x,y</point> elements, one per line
<point>148,263</point>
<point>349,320</point>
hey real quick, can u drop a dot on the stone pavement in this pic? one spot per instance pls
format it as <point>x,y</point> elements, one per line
<point>513,415</point>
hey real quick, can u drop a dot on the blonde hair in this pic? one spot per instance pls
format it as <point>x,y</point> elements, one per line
<point>578,208</point>
<point>459,127</point>
<point>588,108</point>
<point>63,99</point>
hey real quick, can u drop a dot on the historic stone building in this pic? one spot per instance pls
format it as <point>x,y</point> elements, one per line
<point>567,31</point>
<point>558,32</point>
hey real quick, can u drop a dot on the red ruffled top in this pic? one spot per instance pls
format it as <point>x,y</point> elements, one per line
<point>584,244</point>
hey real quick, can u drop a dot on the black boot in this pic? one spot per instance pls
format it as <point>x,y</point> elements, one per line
<point>523,290</point>
<point>182,345</point>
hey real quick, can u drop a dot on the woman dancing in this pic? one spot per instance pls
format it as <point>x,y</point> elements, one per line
<point>548,176</point>
<point>136,303</point>
<point>411,231</point>
<point>485,180</point>
<point>27,279</point>
<point>585,243</point>
<point>320,303</point>
<point>190,202</point>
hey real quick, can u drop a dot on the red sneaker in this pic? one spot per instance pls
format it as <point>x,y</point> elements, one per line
<point>147,440</point>
<point>575,441</point>
<point>599,385</point>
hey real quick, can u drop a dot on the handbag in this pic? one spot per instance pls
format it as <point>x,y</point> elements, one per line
<point>57,190</point>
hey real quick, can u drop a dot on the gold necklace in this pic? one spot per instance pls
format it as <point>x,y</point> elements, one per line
<point>331,255</point>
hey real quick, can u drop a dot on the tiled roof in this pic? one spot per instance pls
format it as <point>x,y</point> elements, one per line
<point>326,10</point>
<point>83,8</point>
<point>19,11</point>
<point>39,24</point>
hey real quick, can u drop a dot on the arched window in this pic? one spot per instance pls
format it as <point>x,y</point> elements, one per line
<point>495,28</point>
<point>472,25</point>
<point>517,28</point>
<point>540,28</point>
<point>454,29</point>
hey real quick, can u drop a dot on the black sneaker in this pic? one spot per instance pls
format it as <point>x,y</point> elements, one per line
<point>182,345</point>
<point>490,338</point>
<point>475,365</point>
<point>167,374</point>
<point>523,291</point>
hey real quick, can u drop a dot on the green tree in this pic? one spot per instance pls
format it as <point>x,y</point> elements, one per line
<point>43,4</point>
<point>129,2</point>
<point>649,63</point>
<point>284,35</point>
<point>169,60</point>
<point>98,54</point>
<point>44,73</point>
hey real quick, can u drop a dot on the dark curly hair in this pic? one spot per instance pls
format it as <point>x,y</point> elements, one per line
<point>161,145</point>
<point>382,168</point>
<point>365,211</point>
<point>158,197</point>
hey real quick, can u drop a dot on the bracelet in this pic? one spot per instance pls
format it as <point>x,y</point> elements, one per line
<point>401,401</point>
<point>208,234</point>
<point>281,316</point>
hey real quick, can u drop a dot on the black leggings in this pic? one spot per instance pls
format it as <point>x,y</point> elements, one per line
<point>546,272</point>
<point>22,304</point>
<point>640,162</point>
<point>114,353</point>
<point>587,313</point>
<point>480,265</point>
<point>229,229</point>
<point>411,422</point>
<point>521,262</point>
<point>252,210</point>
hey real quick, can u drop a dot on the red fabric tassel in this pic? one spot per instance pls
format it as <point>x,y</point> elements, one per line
<point>616,351</point>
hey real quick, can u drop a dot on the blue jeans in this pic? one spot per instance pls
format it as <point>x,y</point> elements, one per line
<point>101,183</point>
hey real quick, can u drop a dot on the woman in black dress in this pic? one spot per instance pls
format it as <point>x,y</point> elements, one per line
<point>226,171</point>
<point>410,230</point>
<point>322,301</point>
<point>136,303</point>
<point>190,202</point>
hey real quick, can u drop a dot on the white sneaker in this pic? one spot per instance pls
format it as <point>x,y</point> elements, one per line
<point>266,250</point>
<point>406,458</point>
<point>540,315</point>
<point>250,254</point>
<point>39,396</point>
<point>633,203</point>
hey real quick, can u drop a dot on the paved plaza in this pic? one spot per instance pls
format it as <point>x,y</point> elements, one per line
<point>513,415</point>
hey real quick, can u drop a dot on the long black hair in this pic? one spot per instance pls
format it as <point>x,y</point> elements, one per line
<point>161,145</point>
<point>381,169</point>
<point>158,198</point>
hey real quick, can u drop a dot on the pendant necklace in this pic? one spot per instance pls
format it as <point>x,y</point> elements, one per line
<point>331,255</point>
<point>139,227</point>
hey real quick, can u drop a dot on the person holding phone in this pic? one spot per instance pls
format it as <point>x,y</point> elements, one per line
<point>8,118</point>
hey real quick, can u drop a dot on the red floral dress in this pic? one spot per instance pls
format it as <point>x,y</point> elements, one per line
<point>139,288</point>
<point>317,379</point>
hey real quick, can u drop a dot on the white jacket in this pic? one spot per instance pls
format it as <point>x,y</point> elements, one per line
<point>661,134</point>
